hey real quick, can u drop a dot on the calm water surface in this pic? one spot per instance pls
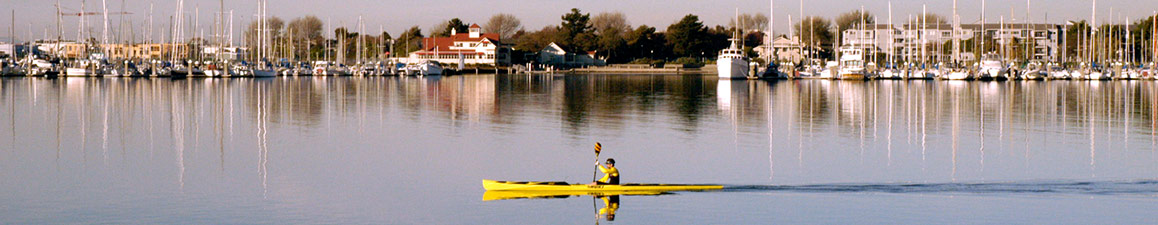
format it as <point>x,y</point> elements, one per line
<point>414,150</point>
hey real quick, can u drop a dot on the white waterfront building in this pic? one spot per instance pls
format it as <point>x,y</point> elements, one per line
<point>473,48</point>
<point>786,49</point>
<point>907,40</point>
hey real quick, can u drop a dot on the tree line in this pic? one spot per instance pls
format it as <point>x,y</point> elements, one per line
<point>611,36</point>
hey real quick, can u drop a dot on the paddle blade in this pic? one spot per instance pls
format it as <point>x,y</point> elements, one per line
<point>598,147</point>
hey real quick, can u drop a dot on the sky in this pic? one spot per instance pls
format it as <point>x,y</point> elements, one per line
<point>394,16</point>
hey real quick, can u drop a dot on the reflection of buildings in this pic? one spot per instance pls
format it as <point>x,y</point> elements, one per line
<point>464,97</point>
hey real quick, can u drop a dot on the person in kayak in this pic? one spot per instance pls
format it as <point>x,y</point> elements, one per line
<point>610,173</point>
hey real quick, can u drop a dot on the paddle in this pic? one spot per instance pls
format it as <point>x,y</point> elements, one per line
<point>598,148</point>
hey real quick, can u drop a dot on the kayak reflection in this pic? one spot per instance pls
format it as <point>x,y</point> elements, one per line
<point>610,205</point>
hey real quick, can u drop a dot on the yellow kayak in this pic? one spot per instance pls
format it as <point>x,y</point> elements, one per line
<point>492,185</point>
<point>504,195</point>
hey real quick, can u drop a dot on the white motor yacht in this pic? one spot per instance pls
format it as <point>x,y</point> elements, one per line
<point>731,63</point>
<point>1034,71</point>
<point>852,66</point>
<point>992,67</point>
<point>1057,72</point>
<point>429,68</point>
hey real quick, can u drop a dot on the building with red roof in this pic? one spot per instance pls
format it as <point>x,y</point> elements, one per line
<point>474,47</point>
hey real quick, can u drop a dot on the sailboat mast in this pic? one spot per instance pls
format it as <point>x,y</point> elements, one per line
<point>921,34</point>
<point>1029,53</point>
<point>982,48</point>
<point>149,36</point>
<point>1093,19</point>
<point>956,28</point>
<point>860,34</point>
<point>105,35</point>
<point>121,28</point>
<point>771,32</point>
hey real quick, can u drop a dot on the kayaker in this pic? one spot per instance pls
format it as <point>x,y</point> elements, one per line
<point>610,173</point>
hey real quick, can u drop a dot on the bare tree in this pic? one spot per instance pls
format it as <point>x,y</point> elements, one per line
<point>274,25</point>
<point>930,18</point>
<point>503,24</point>
<point>853,19</point>
<point>750,22</point>
<point>610,22</point>
<point>305,28</point>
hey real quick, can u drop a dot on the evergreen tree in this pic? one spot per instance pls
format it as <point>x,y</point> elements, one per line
<point>686,37</point>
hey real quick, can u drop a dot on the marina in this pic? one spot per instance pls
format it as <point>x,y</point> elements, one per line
<point>926,46</point>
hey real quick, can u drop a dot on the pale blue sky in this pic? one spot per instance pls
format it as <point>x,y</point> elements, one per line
<point>395,15</point>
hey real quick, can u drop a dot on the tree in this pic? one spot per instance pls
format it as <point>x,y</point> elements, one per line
<point>535,41</point>
<point>576,31</point>
<point>305,31</point>
<point>610,44</point>
<point>408,41</point>
<point>815,32</point>
<point>750,22</point>
<point>853,19</point>
<point>274,24</point>
<point>718,38</point>
<point>644,42</point>
<point>503,24</point>
<point>610,22</point>
<point>930,19</point>
<point>1143,31</point>
<point>1077,36</point>
<point>385,36</point>
<point>444,29</point>
<point>686,37</point>
<point>305,28</point>
<point>611,29</point>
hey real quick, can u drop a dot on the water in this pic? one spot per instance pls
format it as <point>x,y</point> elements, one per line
<point>414,150</point>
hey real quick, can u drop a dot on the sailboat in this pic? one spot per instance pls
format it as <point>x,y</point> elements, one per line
<point>955,70</point>
<point>263,68</point>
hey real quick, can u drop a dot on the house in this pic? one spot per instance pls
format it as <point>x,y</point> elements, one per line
<point>475,48</point>
<point>227,53</point>
<point>11,50</point>
<point>786,49</point>
<point>560,57</point>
